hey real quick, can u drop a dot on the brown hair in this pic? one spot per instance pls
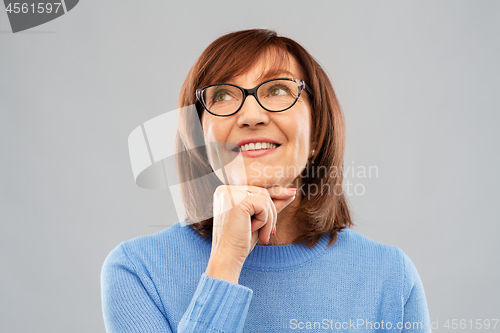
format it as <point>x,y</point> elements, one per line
<point>234,54</point>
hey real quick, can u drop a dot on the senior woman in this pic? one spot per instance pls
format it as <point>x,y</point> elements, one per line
<point>278,253</point>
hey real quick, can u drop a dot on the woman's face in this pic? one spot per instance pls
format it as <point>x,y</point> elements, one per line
<point>290,128</point>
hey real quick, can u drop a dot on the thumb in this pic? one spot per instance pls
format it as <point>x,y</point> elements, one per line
<point>279,192</point>
<point>282,203</point>
<point>281,196</point>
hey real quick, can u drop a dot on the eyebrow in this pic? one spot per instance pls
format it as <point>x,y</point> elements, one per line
<point>271,74</point>
<point>275,73</point>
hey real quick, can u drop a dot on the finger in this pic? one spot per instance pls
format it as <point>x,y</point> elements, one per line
<point>275,215</point>
<point>255,239</point>
<point>263,236</point>
<point>265,231</point>
<point>258,211</point>
<point>262,219</point>
<point>279,192</point>
<point>282,203</point>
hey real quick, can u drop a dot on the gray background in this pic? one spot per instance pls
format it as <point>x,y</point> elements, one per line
<point>418,82</point>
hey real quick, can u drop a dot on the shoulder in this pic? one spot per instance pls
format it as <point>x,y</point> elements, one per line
<point>387,259</point>
<point>172,244</point>
<point>169,239</point>
<point>387,270</point>
<point>360,245</point>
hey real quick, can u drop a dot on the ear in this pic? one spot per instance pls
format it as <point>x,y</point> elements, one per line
<point>313,145</point>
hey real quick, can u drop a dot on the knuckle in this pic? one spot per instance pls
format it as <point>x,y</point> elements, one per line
<point>219,189</point>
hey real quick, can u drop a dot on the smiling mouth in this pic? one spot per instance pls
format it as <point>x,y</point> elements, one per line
<point>239,149</point>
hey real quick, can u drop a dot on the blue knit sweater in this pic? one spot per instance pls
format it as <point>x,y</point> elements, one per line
<point>157,284</point>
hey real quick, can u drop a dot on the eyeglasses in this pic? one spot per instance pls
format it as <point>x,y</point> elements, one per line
<point>276,95</point>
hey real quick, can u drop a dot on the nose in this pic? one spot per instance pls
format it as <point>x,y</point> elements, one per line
<point>252,114</point>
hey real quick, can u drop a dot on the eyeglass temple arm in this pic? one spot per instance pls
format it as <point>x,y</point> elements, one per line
<point>306,88</point>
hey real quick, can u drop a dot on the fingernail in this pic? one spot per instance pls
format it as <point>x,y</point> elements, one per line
<point>291,190</point>
<point>274,230</point>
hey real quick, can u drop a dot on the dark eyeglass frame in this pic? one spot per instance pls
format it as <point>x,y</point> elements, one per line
<point>247,92</point>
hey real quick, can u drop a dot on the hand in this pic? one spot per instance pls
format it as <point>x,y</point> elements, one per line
<point>238,227</point>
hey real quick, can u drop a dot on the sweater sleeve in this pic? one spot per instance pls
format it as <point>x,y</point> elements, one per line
<point>131,304</point>
<point>127,303</point>
<point>416,314</point>
<point>217,306</point>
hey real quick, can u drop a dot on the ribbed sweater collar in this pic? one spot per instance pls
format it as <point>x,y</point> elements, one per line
<point>277,257</point>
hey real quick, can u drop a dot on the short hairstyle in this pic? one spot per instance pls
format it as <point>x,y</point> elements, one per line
<point>325,212</point>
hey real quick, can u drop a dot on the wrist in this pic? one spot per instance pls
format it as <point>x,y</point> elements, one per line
<point>221,268</point>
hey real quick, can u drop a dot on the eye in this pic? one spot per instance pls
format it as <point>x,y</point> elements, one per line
<point>221,96</point>
<point>279,90</point>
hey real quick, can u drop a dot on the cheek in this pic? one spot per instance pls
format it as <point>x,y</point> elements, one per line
<point>207,128</point>
<point>214,131</point>
<point>303,136</point>
<point>302,128</point>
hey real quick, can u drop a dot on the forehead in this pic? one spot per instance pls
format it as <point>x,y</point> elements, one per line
<point>268,66</point>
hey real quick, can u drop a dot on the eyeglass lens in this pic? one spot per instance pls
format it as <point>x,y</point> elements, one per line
<point>274,95</point>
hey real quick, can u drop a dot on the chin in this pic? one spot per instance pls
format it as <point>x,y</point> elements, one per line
<point>254,176</point>
<point>261,183</point>
<point>265,182</point>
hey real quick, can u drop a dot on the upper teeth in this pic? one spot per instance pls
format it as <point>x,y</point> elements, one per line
<point>257,146</point>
